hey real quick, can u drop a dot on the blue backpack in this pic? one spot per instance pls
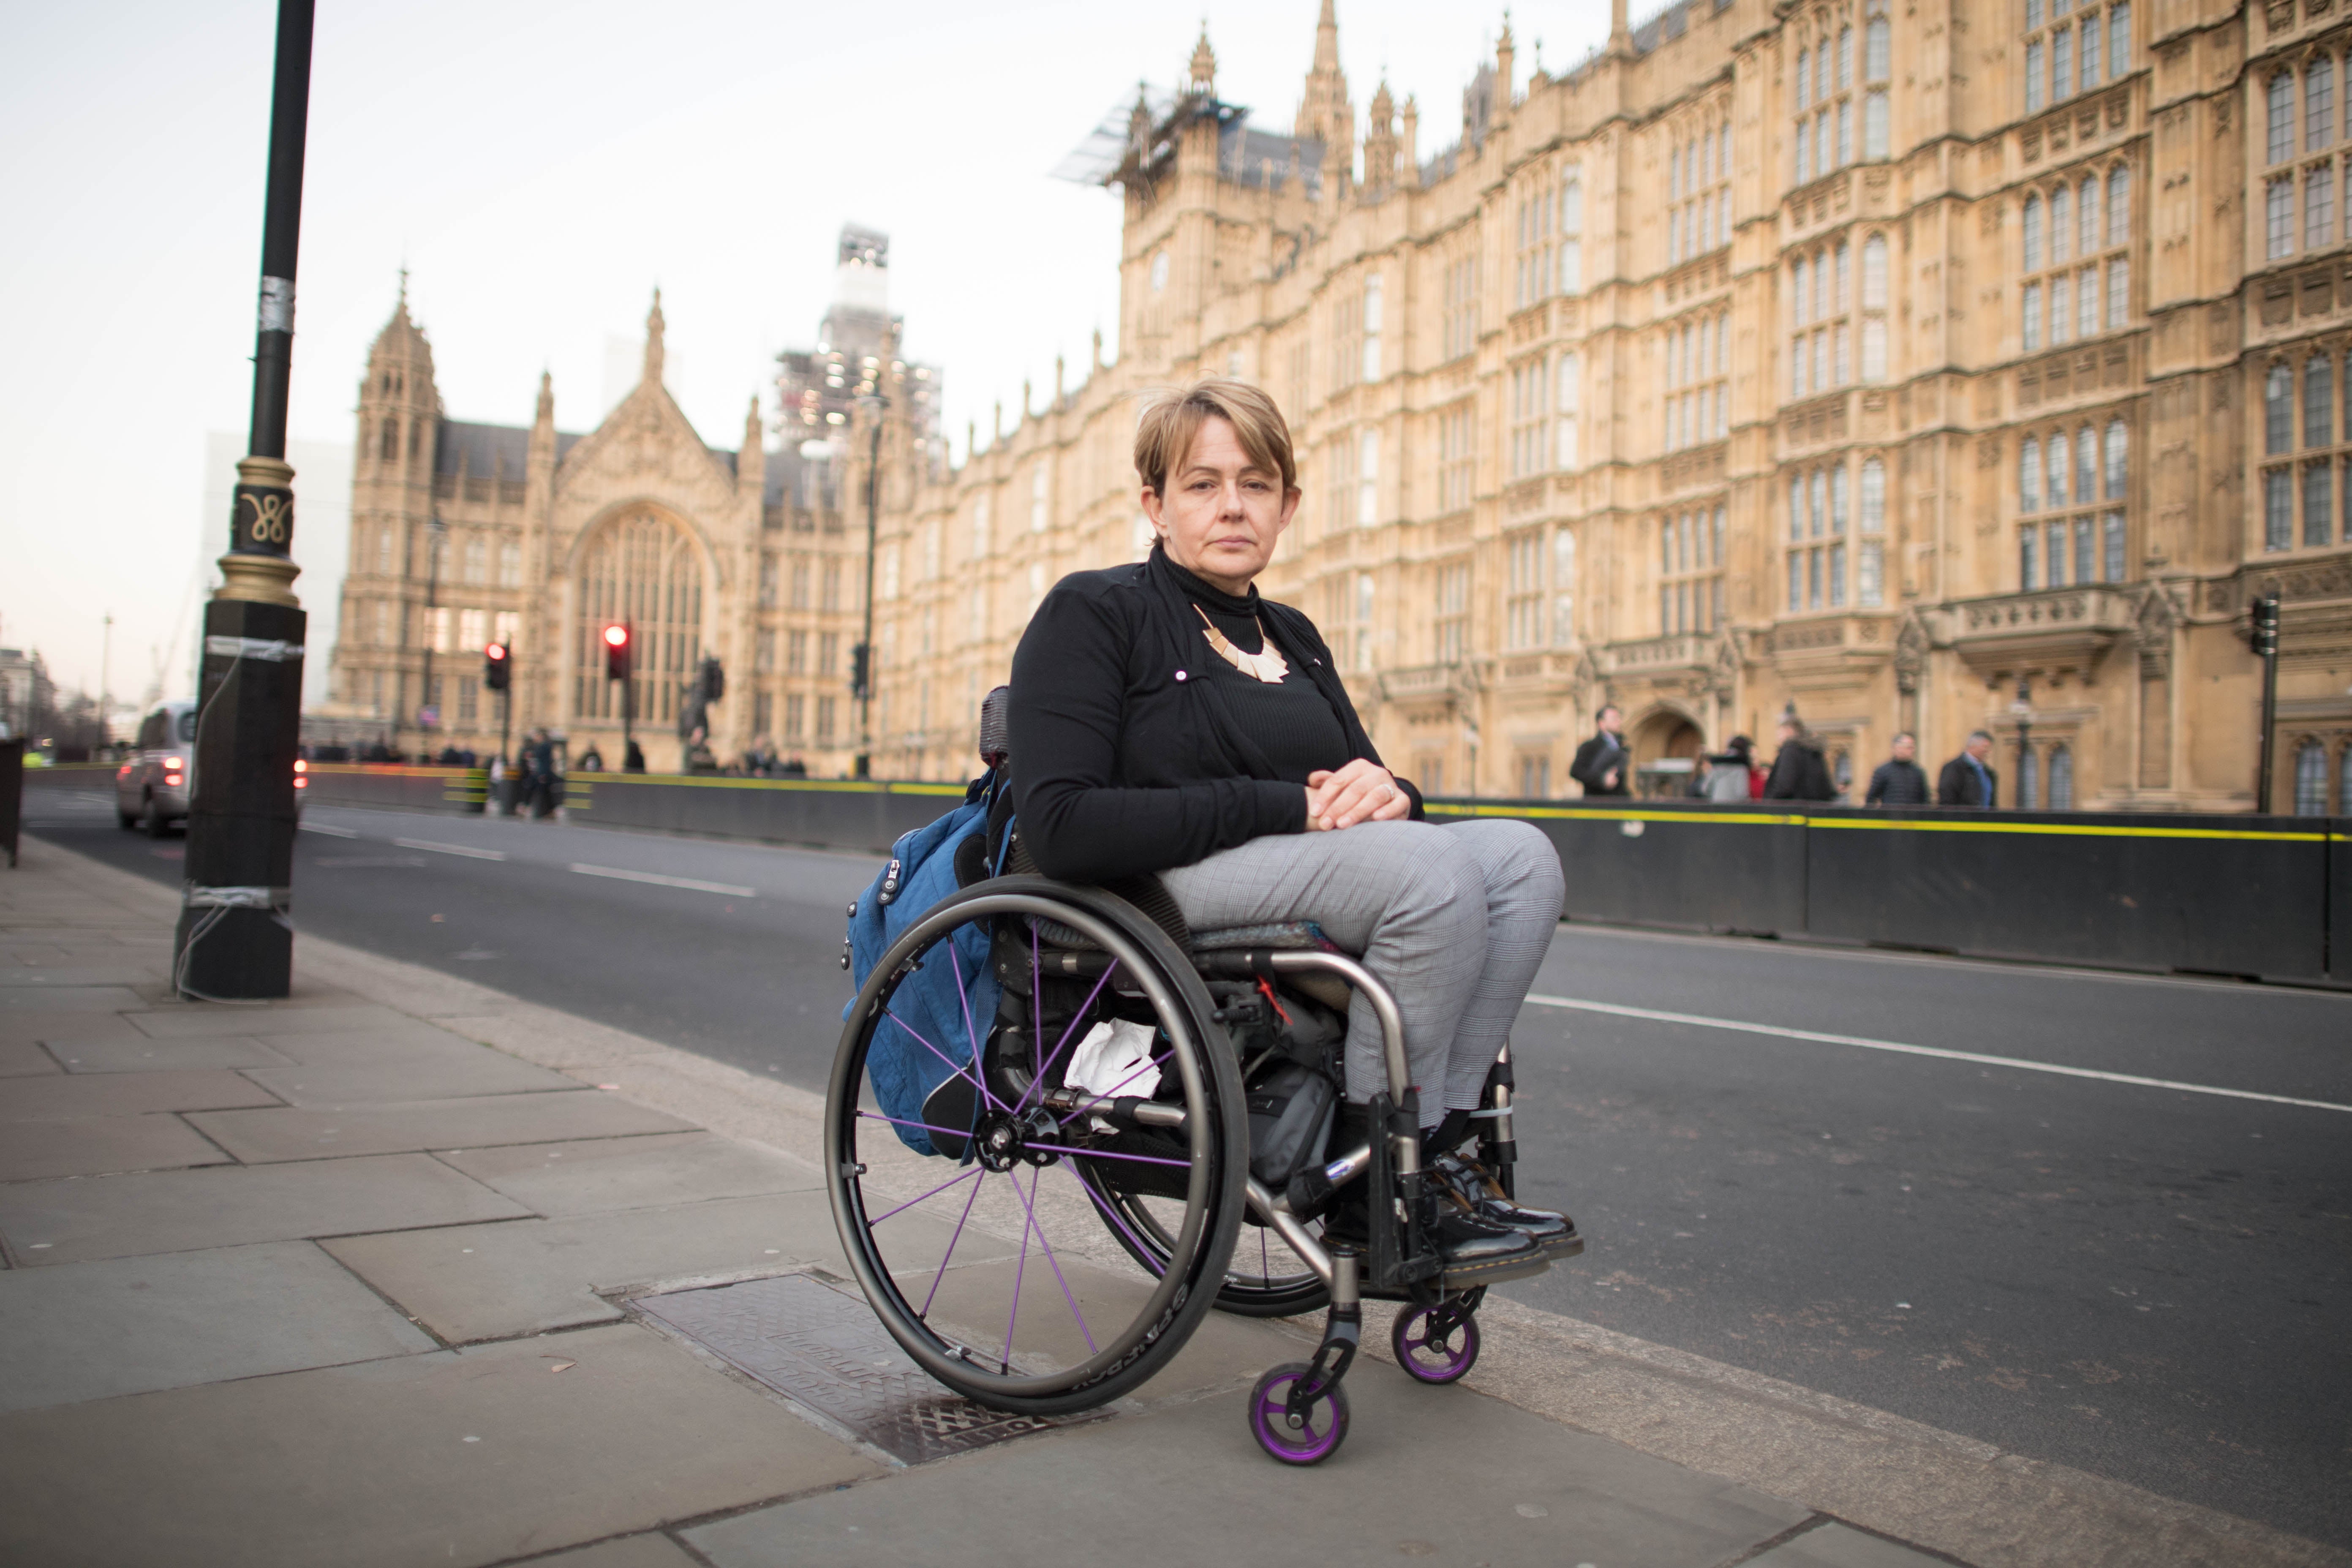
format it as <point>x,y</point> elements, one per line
<point>933,1001</point>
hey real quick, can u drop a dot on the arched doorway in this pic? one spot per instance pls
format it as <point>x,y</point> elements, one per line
<point>1665,746</point>
<point>641,568</point>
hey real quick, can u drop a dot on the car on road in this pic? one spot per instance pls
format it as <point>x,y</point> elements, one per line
<point>153,787</point>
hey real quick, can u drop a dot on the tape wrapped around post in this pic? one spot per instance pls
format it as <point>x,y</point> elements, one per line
<point>197,898</point>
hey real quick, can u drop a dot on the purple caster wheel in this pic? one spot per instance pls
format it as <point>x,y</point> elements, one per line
<point>1435,1344</point>
<point>1311,1438</point>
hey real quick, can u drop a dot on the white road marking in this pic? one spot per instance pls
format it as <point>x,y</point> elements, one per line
<point>1696,1020</point>
<point>468,850</point>
<point>330,832</point>
<point>662,881</point>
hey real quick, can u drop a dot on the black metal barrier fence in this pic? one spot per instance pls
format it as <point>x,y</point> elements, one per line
<point>2230,895</point>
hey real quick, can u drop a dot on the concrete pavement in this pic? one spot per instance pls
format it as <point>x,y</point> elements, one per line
<point>387,1273</point>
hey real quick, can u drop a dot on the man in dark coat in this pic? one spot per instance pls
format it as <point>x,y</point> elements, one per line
<point>1898,781</point>
<point>1798,770</point>
<point>1968,779</point>
<point>1601,764</point>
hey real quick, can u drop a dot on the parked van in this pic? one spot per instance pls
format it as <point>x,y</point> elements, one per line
<point>151,790</point>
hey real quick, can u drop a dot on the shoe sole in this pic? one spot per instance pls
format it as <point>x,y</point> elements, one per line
<point>1566,1247</point>
<point>1519,1265</point>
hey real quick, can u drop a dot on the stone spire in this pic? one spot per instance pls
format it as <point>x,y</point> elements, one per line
<point>1504,53</point>
<point>1620,34</point>
<point>1324,114</point>
<point>1410,150</point>
<point>1205,64</point>
<point>654,325</point>
<point>546,414</point>
<point>1379,141</point>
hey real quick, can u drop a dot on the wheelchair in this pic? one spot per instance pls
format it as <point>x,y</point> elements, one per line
<point>1199,1179</point>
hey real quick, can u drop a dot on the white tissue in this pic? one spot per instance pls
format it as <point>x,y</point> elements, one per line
<point>1107,1055</point>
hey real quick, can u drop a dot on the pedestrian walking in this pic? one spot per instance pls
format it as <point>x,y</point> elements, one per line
<point>1731,774</point>
<point>1798,770</point>
<point>1601,764</point>
<point>1898,781</point>
<point>633,760</point>
<point>592,760</point>
<point>1968,779</point>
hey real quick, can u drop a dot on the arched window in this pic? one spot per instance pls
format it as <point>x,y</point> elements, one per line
<point>2032,232</point>
<point>2278,410</point>
<point>477,560</point>
<point>2059,469</point>
<point>384,542</point>
<point>1563,589</point>
<point>641,569</point>
<point>2319,104</point>
<point>2310,780</point>
<point>2061,778</point>
<point>1876,52</point>
<point>390,445</point>
<point>2062,223</point>
<point>2086,466</point>
<point>1796,288</point>
<point>2029,476</point>
<point>2119,207</point>
<point>1804,75</point>
<point>2318,401</point>
<point>2087,216</point>
<point>2280,107</point>
<point>1873,273</point>
<point>2118,450</point>
<point>2028,780</point>
<point>1874,496</point>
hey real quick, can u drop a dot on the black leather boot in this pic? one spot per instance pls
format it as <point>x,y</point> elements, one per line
<point>1469,1188</point>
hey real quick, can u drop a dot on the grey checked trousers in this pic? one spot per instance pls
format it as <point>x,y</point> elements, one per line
<point>1453,918</point>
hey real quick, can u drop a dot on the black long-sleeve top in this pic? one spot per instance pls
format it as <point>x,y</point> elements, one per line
<point>1134,749</point>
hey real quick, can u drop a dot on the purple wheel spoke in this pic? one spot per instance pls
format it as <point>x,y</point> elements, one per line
<point>910,1203</point>
<point>1112,1092</point>
<point>902,1121</point>
<point>1107,1154</point>
<point>1109,1213</point>
<point>1029,1202</point>
<point>941,1271</point>
<point>1019,1266</point>
<point>1038,1084</point>
<point>962,1072</point>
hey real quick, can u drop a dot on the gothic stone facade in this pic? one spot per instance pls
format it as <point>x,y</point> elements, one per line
<point>1840,354</point>
<point>546,537</point>
<point>1857,357</point>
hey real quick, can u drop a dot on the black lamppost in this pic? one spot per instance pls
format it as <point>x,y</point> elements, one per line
<point>436,531</point>
<point>2023,710</point>
<point>861,661</point>
<point>233,939</point>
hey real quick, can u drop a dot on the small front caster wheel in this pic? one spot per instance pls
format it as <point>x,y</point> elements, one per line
<point>1313,1434</point>
<point>1435,1344</point>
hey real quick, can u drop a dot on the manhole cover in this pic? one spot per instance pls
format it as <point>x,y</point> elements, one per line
<point>823,1348</point>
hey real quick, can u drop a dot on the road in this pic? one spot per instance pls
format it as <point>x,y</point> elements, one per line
<point>2144,1282</point>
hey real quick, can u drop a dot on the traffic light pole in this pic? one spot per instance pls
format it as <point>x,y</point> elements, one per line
<point>233,940</point>
<point>2265,627</point>
<point>864,662</point>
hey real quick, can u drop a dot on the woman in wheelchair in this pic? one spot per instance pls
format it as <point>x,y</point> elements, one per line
<point>1167,719</point>
<point>1248,983</point>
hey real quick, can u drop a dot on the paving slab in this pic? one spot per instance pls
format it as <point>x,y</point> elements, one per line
<point>1839,1546</point>
<point>131,1325</point>
<point>69,999</point>
<point>485,1072</point>
<point>411,1039</point>
<point>38,1024</point>
<point>101,1145</point>
<point>629,1551</point>
<point>129,969</point>
<point>1188,1486</point>
<point>277,1017</point>
<point>135,1052</point>
<point>185,1211</point>
<point>21,1059</point>
<point>455,1457</point>
<point>258,1137</point>
<point>70,1096</point>
<point>480,1282</point>
<point>633,1173</point>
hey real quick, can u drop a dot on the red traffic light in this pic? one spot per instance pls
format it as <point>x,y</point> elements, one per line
<point>496,652</point>
<point>616,651</point>
<point>616,636</point>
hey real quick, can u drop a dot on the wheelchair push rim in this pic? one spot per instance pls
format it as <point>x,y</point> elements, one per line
<point>1026,1316</point>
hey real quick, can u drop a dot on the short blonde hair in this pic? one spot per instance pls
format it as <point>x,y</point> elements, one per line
<point>1172,420</point>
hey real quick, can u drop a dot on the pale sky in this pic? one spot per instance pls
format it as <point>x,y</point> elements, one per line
<point>540,168</point>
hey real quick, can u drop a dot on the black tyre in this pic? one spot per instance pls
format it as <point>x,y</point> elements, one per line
<point>152,821</point>
<point>974,1309</point>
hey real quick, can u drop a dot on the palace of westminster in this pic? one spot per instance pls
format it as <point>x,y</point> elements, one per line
<point>1916,368</point>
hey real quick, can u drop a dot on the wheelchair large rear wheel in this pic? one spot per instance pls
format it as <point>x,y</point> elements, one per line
<point>995,1275</point>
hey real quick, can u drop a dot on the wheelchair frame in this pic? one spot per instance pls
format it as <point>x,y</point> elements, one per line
<point>1399,1261</point>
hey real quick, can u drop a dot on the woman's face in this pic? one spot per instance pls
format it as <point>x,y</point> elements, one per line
<point>1222,513</point>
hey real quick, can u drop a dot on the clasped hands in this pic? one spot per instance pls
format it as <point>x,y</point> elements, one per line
<point>1363,791</point>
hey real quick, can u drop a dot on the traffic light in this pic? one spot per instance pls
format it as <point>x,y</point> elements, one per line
<point>495,665</point>
<point>713,680</point>
<point>2262,619</point>
<point>616,652</point>
<point>860,659</point>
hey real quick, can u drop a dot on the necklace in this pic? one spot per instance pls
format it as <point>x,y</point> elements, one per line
<point>1268,665</point>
